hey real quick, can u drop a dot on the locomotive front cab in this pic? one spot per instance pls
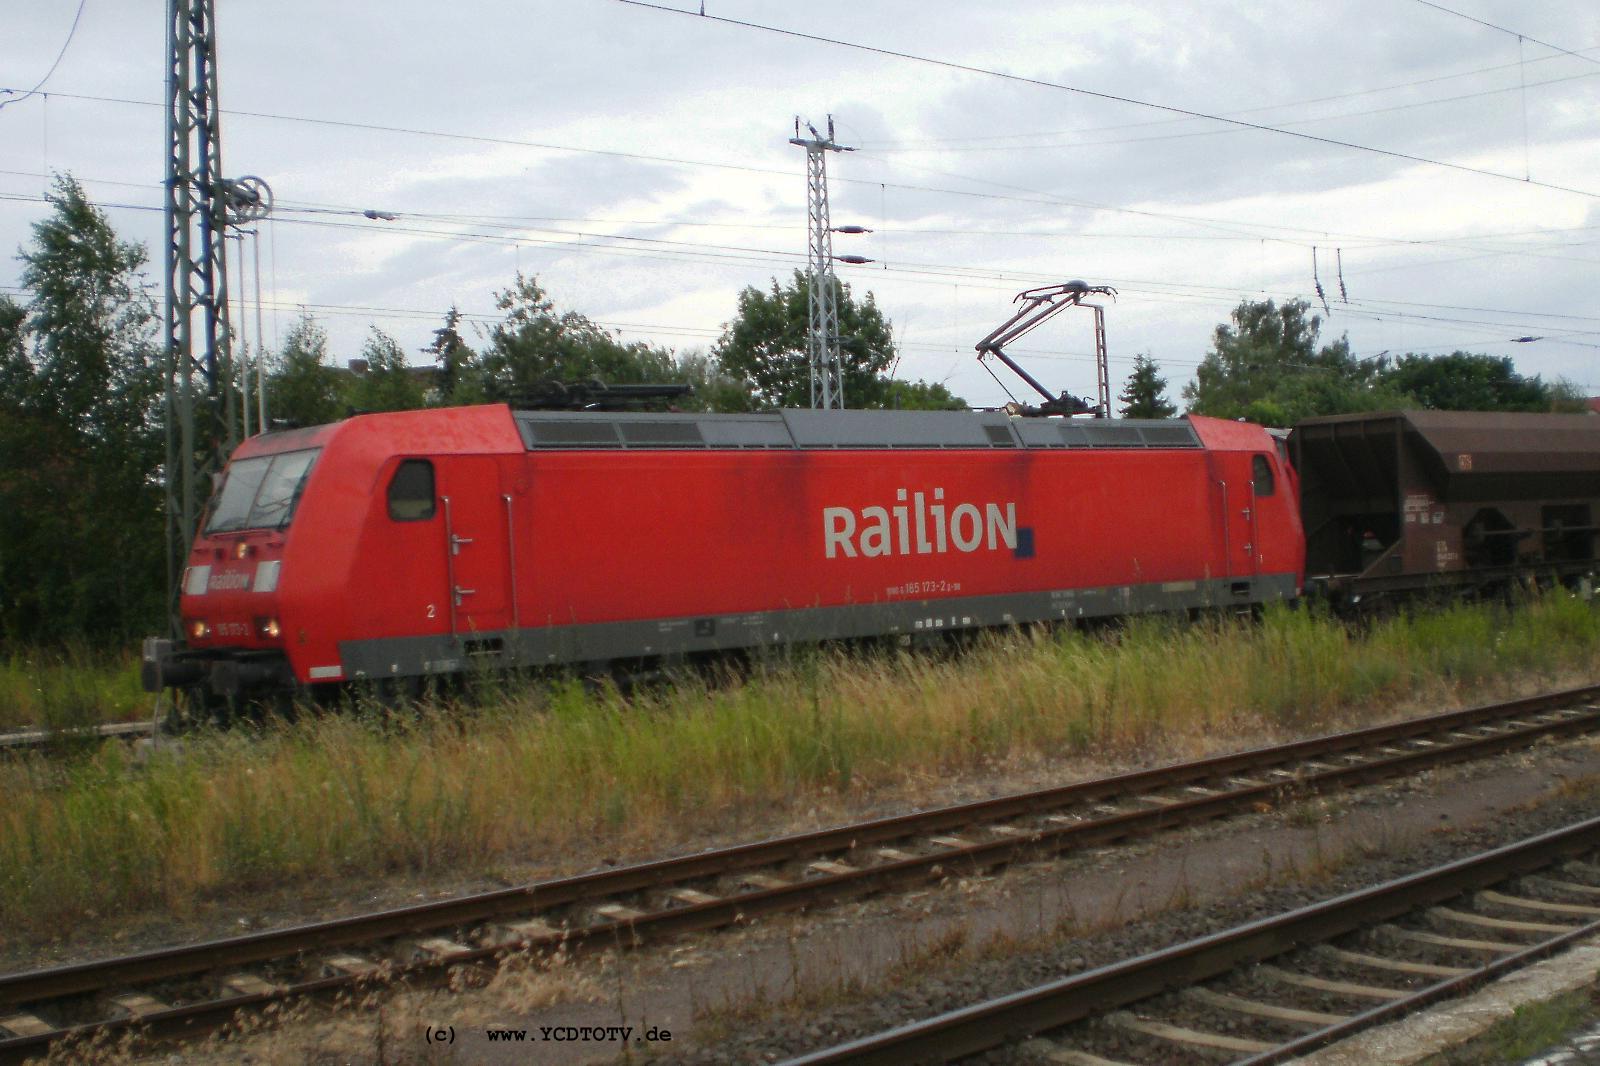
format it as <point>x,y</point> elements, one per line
<point>232,641</point>
<point>1275,503</point>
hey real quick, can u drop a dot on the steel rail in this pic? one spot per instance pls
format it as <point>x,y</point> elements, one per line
<point>985,1026</point>
<point>192,960</point>
<point>38,738</point>
<point>1425,997</point>
<point>417,918</point>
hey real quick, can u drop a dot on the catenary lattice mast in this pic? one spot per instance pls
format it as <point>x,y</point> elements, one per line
<point>199,399</point>
<point>822,336</point>
<point>202,395</point>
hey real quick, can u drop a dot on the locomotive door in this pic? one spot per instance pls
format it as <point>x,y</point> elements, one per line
<point>1236,491</point>
<point>477,546</point>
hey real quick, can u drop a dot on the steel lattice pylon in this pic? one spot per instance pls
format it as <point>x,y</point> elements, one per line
<point>200,394</point>
<point>822,334</point>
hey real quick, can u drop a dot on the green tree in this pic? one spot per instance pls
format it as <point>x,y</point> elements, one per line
<point>20,459</point>
<point>460,377</point>
<point>534,344</point>
<point>81,445</point>
<point>765,348</point>
<point>15,369</point>
<point>388,384</point>
<point>1267,367</point>
<point>1145,394</point>
<point>1463,381</point>
<point>304,388</point>
<point>714,389</point>
<point>1567,397</point>
<point>919,396</point>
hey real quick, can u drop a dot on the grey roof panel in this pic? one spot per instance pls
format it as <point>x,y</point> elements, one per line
<point>1039,433</point>
<point>658,433</point>
<point>569,433</point>
<point>1112,435</point>
<point>746,431</point>
<point>841,430</point>
<point>887,429</point>
<point>1169,435</point>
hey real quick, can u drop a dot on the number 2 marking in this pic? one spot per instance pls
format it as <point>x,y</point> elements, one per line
<point>430,610</point>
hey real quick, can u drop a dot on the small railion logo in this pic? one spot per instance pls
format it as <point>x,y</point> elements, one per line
<point>918,526</point>
<point>228,581</point>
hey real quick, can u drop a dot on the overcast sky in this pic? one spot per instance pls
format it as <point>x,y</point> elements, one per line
<point>637,161</point>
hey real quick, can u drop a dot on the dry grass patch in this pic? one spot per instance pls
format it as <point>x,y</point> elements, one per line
<point>565,768</point>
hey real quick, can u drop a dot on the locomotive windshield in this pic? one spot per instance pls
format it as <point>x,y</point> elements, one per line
<point>260,493</point>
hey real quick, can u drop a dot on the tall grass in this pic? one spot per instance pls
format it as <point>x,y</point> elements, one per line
<point>560,767</point>
<point>68,689</point>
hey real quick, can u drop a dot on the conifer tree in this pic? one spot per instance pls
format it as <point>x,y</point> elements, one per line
<point>459,377</point>
<point>1145,394</point>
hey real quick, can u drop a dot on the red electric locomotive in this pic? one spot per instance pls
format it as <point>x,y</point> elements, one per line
<point>415,544</point>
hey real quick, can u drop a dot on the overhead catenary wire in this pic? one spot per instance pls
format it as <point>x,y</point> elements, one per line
<point>1182,112</point>
<point>1514,33</point>
<point>1044,83</point>
<point>512,221</point>
<point>71,33</point>
<point>995,277</point>
<point>1277,232</point>
<point>1046,146</point>
<point>781,254</point>
<point>957,346</point>
<point>868,143</point>
<point>945,269</point>
<point>934,273</point>
<point>683,250</point>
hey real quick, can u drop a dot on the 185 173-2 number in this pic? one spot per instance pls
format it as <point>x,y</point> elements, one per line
<point>929,587</point>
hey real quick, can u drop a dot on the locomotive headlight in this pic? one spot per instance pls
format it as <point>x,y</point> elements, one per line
<point>198,629</point>
<point>240,550</point>
<point>268,629</point>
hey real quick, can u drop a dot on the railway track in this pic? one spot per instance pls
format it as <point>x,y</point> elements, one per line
<point>1284,986</point>
<point>27,739</point>
<point>195,988</point>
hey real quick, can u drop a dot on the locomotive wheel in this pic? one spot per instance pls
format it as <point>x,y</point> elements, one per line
<point>194,707</point>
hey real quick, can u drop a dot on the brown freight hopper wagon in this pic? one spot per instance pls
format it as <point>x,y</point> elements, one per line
<point>1399,503</point>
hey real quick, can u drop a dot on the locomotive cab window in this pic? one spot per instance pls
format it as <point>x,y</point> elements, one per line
<point>411,491</point>
<point>1261,476</point>
<point>260,492</point>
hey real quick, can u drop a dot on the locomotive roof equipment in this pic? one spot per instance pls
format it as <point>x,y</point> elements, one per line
<point>1037,306</point>
<point>597,395</point>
